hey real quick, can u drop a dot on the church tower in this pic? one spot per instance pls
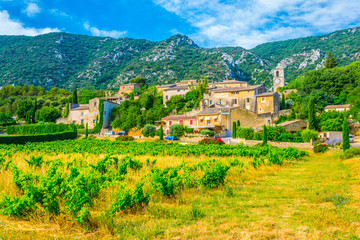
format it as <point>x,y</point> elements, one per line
<point>279,77</point>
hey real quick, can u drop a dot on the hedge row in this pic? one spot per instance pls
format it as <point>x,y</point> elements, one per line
<point>40,128</point>
<point>90,131</point>
<point>22,139</point>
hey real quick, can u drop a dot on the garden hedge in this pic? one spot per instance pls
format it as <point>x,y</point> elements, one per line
<point>22,139</point>
<point>34,129</point>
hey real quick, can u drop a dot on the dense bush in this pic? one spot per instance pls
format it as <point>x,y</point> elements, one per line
<point>333,141</point>
<point>177,130</point>
<point>321,148</point>
<point>207,132</point>
<point>216,141</point>
<point>188,130</point>
<point>32,129</point>
<point>247,133</point>
<point>22,139</point>
<point>149,130</point>
<point>214,173</point>
<point>351,153</point>
<point>125,138</point>
<point>308,134</point>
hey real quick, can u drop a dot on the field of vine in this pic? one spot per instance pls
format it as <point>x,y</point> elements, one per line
<point>108,189</point>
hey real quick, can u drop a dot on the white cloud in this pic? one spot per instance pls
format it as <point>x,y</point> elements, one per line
<point>32,9</point>
<point>103,33</point>
<point>12,27</point>
<point>248,23</point>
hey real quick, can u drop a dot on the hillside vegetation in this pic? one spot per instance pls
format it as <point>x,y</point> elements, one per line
<point>61,59</point>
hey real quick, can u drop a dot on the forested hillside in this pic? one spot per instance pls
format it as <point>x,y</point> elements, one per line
<point>62,59</point>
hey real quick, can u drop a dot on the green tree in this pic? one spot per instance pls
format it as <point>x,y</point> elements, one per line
<point>311,114</point>
<point>237,125</point>
<point>67,105</point>
<point>33,112</point>
<point>330,61</point>
<point>176,102</point>
<point>86,95</point>
<point>149,130</point>
<point>265,135</point>
<point>161,135</point>
<point>86,131</point>
<point>345,135</point>
<point>283,104</point>
<point>47,114</point>
<point>6,119</point>
<point>177,130</point>
<point>74,95</point>
<point>234,130</point>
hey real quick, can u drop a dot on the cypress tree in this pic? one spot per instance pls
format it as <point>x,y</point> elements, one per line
<point>330,61</point>
<point>161,135</point>
<point>66,113</point>
<point>74,95</point>
<point>33,112</point>
<point>283,105</point>
<point>86,131</point>
<point>265,135</point>
<point>234,130</point>
<point>311,114</point>
<point>238,124</point>
<point>346,142</point>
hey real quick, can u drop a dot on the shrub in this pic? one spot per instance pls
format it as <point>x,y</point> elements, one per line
<point>125,138</point>
<point>309,134</point>
<point>40,128</point>
<point>207,132</point>
<point>216,141</point>
<point>321,148</point>
<point>37,138</point>
<point>188,130</point>
<point>149,130</point>
<point>177,130</point>
<point>214,174</point>
<point>351,153</point>
<point>165,181</point>
<point>333,141</point>
<point>246,133</point>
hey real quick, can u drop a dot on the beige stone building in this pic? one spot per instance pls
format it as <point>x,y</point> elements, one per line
<point>231,84</point>
<point>188,121</point>
<point>88,113</point>
<point>339,108</point>
<point>279,77</point>
<point>177,90</point>
<point>127,89</point>
<point>294,126</point>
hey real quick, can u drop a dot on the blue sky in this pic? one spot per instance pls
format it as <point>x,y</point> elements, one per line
<point>215,23</point>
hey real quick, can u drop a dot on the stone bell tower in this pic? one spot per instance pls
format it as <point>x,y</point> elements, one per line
<point>279,77</point>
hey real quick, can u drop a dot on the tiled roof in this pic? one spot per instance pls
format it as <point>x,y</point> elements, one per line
<point>212,111</point>
<point>338,106</point>
<point>266,94</point>
<point>178,117</point>
<point>289,122</point>
<point>178,87</point>
<point>81,107</point>
<point>236,89</point>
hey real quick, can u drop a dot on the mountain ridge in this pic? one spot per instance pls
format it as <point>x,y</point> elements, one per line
<point>62,59</point>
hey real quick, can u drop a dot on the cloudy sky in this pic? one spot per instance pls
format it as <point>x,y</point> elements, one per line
<point>211,23</point>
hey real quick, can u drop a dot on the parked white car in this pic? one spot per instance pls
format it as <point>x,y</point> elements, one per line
<point>110,133</point>
<point>351,138</point>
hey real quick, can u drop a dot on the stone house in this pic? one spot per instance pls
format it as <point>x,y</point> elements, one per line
<point>231,84</point>
<point>187,121</point>
<point>83,114</point>
<point>267,103</point>
<point>294,126</point>
<point>179,90</point>
<point>127,88</point>
<point>323,136</point>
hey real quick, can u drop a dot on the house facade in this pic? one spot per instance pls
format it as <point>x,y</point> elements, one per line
<point>127,89</point>
<point>188,121</point>
<point>179,90</point>
<point>83,114</point>
<point>294,126</point>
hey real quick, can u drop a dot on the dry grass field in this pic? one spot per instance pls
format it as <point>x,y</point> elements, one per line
<point>316,197</point>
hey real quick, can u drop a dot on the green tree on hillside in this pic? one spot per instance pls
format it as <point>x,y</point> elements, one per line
<point>330,61</point>
<point>311,114</point>
<point>346,142</point>
<point>33,112</point>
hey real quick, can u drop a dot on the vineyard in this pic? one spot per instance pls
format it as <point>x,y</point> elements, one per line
<point>112,189</point>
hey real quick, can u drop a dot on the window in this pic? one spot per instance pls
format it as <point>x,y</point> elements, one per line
<point>235,101</point>
<point>178,90</point>
<point>181,122</point>
<point>82,114</point>
<point>208,122</point>
<point>215,119</point>
<point>94,121</point>
<point>263,99</point>
<point>210,102</point>
<point>277,73</point>
<point>82,121</point>
<point>167,97</point>
<point>170,122</point>
<point>248,100</point>
<point>74,122</point>
<point>260,109</point>
<point>94,104</point>
<point>202,120</point>
<point>104,112</point>
<point>191,122</point>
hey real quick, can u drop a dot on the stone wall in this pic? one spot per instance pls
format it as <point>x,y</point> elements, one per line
<point>275,144</point>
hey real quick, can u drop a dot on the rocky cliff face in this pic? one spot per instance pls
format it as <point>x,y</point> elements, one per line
<point>61,59</point>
